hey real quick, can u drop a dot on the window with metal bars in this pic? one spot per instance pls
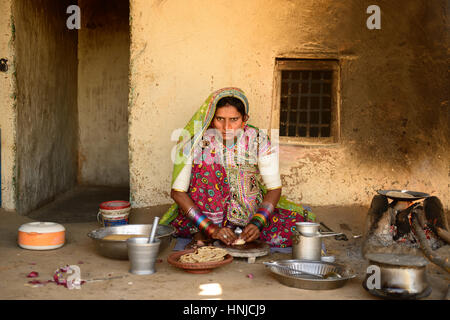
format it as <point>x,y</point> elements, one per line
<point>307,97</point>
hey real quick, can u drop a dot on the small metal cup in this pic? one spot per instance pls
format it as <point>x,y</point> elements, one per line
<point>142,255</point>
<point>308,228</point>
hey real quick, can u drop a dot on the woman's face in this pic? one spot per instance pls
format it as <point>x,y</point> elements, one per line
<point>228,121</point>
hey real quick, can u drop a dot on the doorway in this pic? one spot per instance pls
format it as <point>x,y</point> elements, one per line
<point>72,102</point>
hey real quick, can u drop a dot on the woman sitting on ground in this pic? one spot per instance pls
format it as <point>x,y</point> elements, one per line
<point>226,176</point>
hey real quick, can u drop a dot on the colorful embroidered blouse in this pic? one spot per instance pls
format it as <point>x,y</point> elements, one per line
<point>249,163</point>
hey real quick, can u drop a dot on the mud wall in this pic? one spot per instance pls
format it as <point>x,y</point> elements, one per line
<point>46,66</point>
<point>7,108</point>
<point>393,95</point>
<point>103,54</point>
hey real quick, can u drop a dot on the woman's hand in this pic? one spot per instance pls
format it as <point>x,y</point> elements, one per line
<point>250,233</point>
<point>226,235</point>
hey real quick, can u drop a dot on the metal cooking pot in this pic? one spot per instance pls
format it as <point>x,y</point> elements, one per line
<point>307,241</point>
<point>400,275</point>
<point>306,248</point>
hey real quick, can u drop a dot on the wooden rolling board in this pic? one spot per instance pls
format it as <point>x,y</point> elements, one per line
<point>250,250</point>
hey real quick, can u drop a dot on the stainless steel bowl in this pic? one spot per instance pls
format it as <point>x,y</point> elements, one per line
<point>117,249</point>
<point>310,282</point>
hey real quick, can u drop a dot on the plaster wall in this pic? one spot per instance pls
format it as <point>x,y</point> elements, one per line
<point>394,113</point>
<point>393,90</point>
<point>103,54</point>
<point>7,108</point>
<point>47,122</point>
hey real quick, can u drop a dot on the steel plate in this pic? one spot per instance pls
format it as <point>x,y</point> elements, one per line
<point>309,282</point>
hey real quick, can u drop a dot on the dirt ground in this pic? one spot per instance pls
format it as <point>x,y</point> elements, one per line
<point>170,283</point>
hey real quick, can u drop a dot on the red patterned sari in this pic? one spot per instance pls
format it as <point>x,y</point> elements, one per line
<point>229,194</point>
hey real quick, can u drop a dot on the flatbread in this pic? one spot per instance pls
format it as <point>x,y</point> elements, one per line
<point>398,194</point>
<point>204,254</point>
<point>238,242</point>
<point>188,258</point>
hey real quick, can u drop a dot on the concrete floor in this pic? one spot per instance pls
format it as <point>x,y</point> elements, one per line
<point>77,212</point>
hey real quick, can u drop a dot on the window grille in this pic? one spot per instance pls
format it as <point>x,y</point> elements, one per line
<point>308,99</point>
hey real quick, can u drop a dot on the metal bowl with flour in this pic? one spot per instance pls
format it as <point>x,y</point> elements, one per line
<point>117,249</point>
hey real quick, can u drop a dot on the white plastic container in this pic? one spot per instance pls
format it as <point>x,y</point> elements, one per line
<point>41,236</point>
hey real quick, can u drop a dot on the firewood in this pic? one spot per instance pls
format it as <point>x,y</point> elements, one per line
<point>443,234</point>
<point>420,215</point>
<point>440,232</point>
<point>434,211</point>
<point>426,248</point>
<point>402,223</point>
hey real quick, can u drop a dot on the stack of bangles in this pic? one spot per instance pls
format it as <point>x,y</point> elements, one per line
<point>261,217</point>
<point>203,223</point>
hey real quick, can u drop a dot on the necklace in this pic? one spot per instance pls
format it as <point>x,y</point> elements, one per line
<point>231,147</point>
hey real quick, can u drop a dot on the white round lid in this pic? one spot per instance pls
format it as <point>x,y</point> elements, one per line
<point>42,227</point>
